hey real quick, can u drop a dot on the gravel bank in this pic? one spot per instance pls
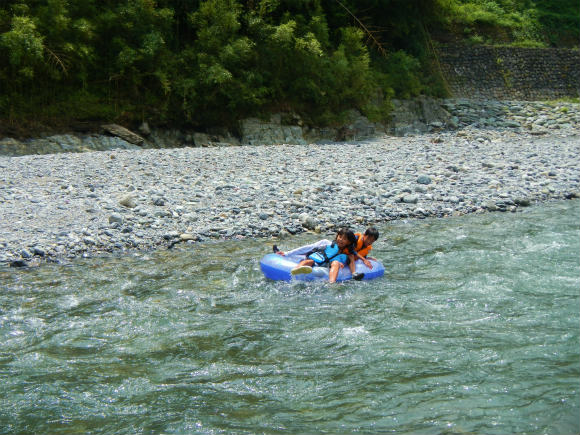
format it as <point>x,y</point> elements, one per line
<point>55,207</point>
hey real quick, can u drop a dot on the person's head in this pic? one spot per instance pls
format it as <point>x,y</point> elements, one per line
<point>344,238</point>
<point>371,235</point>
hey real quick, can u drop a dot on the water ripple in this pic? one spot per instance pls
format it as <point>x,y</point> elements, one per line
<point>475,328</point>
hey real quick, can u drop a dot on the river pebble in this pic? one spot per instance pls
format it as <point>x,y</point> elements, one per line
<point>76,205</point>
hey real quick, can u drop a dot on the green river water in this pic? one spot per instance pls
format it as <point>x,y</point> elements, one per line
<point>474,329</point>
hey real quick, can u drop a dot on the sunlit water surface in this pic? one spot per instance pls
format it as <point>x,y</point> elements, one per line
<point>474,328</point>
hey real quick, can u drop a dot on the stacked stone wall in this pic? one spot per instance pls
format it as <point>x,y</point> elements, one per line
<point>510,73</point>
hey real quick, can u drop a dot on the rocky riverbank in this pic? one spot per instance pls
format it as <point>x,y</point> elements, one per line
<point>409,117</point>
<point>61,206</point>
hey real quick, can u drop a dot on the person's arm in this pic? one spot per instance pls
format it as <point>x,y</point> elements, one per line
<point>321,244</point>
<point>365,260</point>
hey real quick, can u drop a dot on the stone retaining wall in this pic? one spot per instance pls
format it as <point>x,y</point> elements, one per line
<point>510,73</point>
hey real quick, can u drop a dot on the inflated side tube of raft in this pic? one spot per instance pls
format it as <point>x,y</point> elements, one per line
<point>278,267</point>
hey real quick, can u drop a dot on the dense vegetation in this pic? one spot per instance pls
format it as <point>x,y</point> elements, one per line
<point>207,63</point>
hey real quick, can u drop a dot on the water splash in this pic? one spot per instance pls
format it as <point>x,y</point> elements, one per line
<point>474,328</point>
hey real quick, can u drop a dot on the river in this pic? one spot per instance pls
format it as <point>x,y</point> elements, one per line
<point>475,327</point>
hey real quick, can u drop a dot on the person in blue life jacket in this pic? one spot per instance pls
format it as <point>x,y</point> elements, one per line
<point>325,253</point>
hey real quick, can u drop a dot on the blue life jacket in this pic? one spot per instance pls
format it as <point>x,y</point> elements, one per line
<point>325,255</point>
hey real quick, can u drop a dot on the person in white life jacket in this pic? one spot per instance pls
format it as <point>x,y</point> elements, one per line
<point>324,253</point>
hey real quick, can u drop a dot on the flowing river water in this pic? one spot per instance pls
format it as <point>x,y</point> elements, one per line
<point>474,328</point>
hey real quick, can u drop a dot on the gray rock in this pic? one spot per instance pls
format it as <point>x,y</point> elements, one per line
<point>18,263</point>
<point>39,250</point>
<point>424,179</point>
<point>522,202</point>
<point>490,205</point>
<point>157,200</point>
<point>307,221</point>
<point>12,147</point>
<point>202,140</point>
<point>171,235</point>
<point>128,201</point>
<point>116,218</point>
<point>123,133</point>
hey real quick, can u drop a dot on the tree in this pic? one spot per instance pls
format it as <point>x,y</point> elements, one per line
<point>219,77</point>
<point>23,46</point>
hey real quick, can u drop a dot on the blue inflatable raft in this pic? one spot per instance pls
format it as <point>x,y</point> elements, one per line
<point>278,267</point>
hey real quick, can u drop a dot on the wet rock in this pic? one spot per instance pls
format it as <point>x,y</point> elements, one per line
<point>490,205</point>
<point>18,263</point>
<point>522,202</point>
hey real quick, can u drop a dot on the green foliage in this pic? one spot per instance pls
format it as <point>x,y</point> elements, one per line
<point>519,22</point>
<point>402,75</point>
<point>559,19</point>
<point>211,62</point>
<point>85,105</point>
<point>219,79</point>
<point>23,46</point>
<point>350,71</point>
<point>573,100</point>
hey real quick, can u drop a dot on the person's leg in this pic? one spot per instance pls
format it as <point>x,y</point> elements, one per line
<point>306,262</point>
<point>305,266</point>
<point>351,265</point>
<point>335,267</point>
<point>356,276</point>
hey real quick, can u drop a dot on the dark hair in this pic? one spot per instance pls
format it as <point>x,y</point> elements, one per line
<point>372,232</point>
<point>349,234</point>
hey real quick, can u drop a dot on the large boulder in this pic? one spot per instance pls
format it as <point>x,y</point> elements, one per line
<point>125,134</point>
<point>11,147</point>
<point>417,116</point>
<point>255,131</point>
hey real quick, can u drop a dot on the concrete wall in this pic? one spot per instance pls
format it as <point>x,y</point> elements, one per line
<point>509,73</point>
